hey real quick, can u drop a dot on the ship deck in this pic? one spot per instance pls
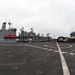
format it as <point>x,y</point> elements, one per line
<point>40,58</point>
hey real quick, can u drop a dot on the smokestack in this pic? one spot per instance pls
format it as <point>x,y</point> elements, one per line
<point>4,26</point>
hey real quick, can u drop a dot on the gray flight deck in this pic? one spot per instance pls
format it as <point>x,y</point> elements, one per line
<point>41,58</point>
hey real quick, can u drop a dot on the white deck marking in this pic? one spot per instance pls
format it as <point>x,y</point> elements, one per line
<point>50,49</point>
<point>38,47</point>
<point>63,62</point>
<point>72,53</point>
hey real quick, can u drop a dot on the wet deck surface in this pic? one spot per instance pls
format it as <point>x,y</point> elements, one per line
<point>35,58</point>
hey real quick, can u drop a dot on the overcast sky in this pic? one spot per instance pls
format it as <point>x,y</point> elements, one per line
<point>56,17</point>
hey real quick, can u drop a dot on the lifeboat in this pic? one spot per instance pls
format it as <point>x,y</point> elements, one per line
<point>9,36</point>
<point>13,36</point>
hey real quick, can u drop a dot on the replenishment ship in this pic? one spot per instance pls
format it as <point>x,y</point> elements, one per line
<point>7,35</point>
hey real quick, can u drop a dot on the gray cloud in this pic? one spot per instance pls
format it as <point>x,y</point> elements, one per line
<point>45,16</point>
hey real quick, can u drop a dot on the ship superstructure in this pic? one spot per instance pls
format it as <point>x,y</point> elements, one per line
<point>7,35</point>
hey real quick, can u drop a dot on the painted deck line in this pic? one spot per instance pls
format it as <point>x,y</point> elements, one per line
<point>63,62</point>
<point>38,47</point>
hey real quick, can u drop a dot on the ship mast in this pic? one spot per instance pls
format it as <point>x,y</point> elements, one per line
<point>9,25</point>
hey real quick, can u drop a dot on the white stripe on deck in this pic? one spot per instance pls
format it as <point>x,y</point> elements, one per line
<point>63,62</point>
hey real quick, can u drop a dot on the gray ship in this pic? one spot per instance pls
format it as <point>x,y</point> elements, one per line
<point>7,35</point>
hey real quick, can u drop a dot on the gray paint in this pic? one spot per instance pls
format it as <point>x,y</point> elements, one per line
<point>3,32</point>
